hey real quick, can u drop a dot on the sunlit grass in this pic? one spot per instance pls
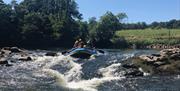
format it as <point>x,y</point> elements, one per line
<point>151,36</point>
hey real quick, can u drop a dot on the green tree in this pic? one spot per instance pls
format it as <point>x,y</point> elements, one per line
<point>8,32</point>
<point>82,31</point>
<point>104,30</point>
<point>92,23</point>
<point>154,24</point>
<point>1,2</point>
<point>121,16</point>
<point>37,30</point>
<point>62,15</point>
<point>92,28</point>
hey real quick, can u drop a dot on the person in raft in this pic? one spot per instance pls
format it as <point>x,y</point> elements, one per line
<point>79,44</point>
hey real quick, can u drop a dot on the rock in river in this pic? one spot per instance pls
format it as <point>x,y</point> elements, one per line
<point>51,54</point>
<point>168,61</point>
<point>4,61</point>
<point>25,58</point>
<point>12,49</point>
<point>15,50</point>
<point>134,73</point>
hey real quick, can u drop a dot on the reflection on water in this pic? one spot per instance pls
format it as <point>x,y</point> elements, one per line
<point>63,73</point>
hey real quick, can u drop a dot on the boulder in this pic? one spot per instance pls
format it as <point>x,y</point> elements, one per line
<point>25,59</point>
<point>3,61</point>
<point>156,55</point>
<point>154,58</point>
<point>175,56</point>
<point>166,62</point>
<point>134,73</point>
<point>12,49</point>
<point>163,58</point>
<point>170,51</point>
<point>157,64</point>
<point>146,58</point>
<point>6,48</point>
<point>128,66</point>
<point>5,52</point>
<point>51,54</point>
<point>15,50</point>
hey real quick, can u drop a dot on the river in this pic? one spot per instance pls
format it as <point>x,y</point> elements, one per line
<point>61,73</point>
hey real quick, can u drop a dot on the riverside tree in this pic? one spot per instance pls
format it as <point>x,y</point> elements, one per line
<point>49,21</point>
<point>8,25</point>
<point>103,31</point>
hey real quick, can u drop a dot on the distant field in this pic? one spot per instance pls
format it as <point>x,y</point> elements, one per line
<point>150,36</point>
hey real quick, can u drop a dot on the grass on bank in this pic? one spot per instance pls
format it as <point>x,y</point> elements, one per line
<point>150,36</point>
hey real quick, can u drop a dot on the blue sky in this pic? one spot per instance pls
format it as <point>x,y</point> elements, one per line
<point>137,10</point>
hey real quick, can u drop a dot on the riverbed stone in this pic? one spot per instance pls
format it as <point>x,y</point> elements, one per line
<point>27,58</point>
<point>168,61</point>
<point>3,61</point>
<point>13,54</point>
<point>134,73</point>
<point>12,49</point>
<point>51,54</point>
<point>15,50</point>
<point>147,58</point>
<point>156,55</point>
<point>5,52</point>
<point>160,63</point>
<point>175,56</point>
<point>128,66</point>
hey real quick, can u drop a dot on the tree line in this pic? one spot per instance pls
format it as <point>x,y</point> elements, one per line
<point>172,24</point>
<point>58,23</point>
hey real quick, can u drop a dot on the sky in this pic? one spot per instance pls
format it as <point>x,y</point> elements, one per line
<point>136,10</point>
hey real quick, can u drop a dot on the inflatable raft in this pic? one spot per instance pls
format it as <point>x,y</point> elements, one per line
<point>83,53</point>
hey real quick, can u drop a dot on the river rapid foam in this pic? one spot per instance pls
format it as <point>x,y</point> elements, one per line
<point>64,73</point>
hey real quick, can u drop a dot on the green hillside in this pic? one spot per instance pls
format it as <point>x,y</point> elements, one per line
<point>151,36</point>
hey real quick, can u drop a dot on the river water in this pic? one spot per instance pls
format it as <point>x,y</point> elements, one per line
<point>62,73</point>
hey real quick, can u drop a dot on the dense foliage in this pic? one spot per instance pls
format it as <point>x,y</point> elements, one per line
<point>39,22</point>
<point>58,23</point>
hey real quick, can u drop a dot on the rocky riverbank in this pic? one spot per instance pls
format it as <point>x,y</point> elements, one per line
<point>165,63</point>
<point>155,46</point>
<point>161,46</point>
<point>9,55</point>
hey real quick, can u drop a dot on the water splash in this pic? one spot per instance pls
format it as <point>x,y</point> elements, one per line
<point>75,72</point>
<point>92,84</point>
<point>110,71</point>
<point>72,78</point>
<point>60,79</point>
